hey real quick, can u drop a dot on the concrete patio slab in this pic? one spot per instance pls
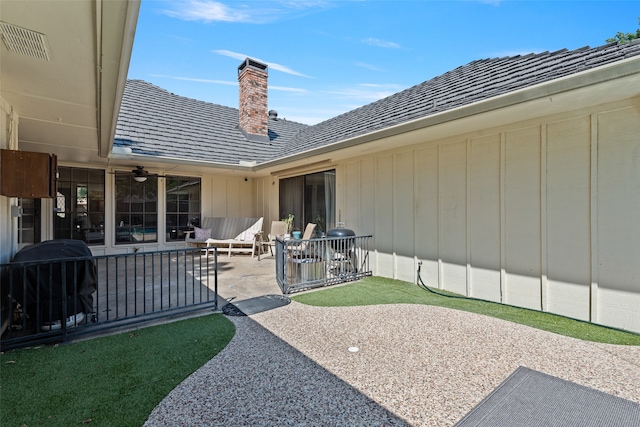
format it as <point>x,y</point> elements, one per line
<point>242,277</point>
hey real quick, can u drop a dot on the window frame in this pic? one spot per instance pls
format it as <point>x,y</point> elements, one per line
<point>180,220</point>
<point>80,215</point>
<point>139,223</point>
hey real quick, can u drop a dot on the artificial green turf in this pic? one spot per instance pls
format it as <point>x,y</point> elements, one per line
<point>110,381</point>
<point>379,290</point>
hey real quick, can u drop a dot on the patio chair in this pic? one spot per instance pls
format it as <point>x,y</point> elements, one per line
<point>309,231</point>
<point>301,250</point>
<point>278,229</point>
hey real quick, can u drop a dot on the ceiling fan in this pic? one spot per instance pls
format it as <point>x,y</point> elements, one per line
<point>141,175</point>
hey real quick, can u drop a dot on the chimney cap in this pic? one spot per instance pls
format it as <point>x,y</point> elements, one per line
<point>253,64</point>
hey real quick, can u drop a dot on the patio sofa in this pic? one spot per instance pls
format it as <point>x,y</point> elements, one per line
<point>227,234</point>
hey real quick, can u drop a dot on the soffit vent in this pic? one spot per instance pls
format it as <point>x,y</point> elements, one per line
<point>25,42</point>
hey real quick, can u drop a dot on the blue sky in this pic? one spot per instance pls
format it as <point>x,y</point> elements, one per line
<point>329,57</point>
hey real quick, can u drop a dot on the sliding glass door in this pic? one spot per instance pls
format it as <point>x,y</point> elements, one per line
<point>310,198</point>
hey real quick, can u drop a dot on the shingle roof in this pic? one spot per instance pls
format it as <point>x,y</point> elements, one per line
<point>477,81</point>
<point>155,122</point>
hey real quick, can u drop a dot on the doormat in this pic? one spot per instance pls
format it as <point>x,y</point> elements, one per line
<point>530,398</point>
<point>255,305</point>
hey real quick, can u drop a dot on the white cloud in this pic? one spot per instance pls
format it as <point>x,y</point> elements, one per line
<point>271,65</point>
<point>208,11</point>
<point>368,66</point>
<point>226,82</point>
<point>381,43</point>
<point>230,54</point>
<point>287,89</point>
<point>250,12</point>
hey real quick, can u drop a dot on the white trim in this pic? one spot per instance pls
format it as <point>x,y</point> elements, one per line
<point>593,291</point>
<point>468,216</point>
<point>544,283</point>
<point>503,216</point>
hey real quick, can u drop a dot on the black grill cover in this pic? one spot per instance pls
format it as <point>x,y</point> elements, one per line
<point>340,232</point>
<point>44,282</point>
<point>342,245</point>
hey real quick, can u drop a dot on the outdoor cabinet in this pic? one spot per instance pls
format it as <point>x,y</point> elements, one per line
<point>28,175</point>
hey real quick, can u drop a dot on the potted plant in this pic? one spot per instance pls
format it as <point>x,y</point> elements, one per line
<point>289,222</point>
<point>296,233</point>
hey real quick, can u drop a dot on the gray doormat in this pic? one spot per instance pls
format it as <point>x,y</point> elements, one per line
<point>255,305</point>
<point>531,398</point>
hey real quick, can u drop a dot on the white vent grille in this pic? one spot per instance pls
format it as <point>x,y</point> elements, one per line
<point>25,42</point>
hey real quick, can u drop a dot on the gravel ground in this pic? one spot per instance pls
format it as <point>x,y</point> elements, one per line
<point>415,365</point>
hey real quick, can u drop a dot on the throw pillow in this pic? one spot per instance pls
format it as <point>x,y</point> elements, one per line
<point>202,233</point>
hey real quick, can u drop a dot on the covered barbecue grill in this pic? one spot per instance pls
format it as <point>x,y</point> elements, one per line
<point>342,250</point>
<point>341,232</point>
<point>46,288</point>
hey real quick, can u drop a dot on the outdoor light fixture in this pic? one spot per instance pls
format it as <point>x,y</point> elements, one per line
<point>139,174</point>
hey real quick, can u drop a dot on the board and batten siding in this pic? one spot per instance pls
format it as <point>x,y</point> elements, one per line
<point>227,196</point>
<point>617,263</point>
<point>544,216</point>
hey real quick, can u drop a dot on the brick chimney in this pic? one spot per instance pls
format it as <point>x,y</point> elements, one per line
<point>252,79</point>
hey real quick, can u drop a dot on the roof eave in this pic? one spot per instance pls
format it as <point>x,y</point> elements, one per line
<point>115,34</point>
<point>124,154</point>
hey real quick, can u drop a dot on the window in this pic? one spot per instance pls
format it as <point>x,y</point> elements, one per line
<point>136,218</point>
<point>310,198</point>
<point>29,222</point>
<point>79,205</point>
<point>183,206</point>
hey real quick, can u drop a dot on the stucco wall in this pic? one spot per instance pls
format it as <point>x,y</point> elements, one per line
<point>541,214</point>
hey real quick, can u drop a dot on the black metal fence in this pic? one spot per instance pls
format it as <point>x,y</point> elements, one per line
<point>55,300</point>
<point>307,264</point>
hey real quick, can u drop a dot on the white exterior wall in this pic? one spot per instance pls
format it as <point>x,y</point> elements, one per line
<point>616,263</point>
<point>541,214</point>
<point>266,200</point>
<point>8,225</point>
<point>228,196</point>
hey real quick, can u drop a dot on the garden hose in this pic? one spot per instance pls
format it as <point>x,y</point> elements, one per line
<point>425,287</point>
<point>422,285</point>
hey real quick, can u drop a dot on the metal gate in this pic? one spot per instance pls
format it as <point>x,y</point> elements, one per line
<point>306,264</point>
<point>55,300</point>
